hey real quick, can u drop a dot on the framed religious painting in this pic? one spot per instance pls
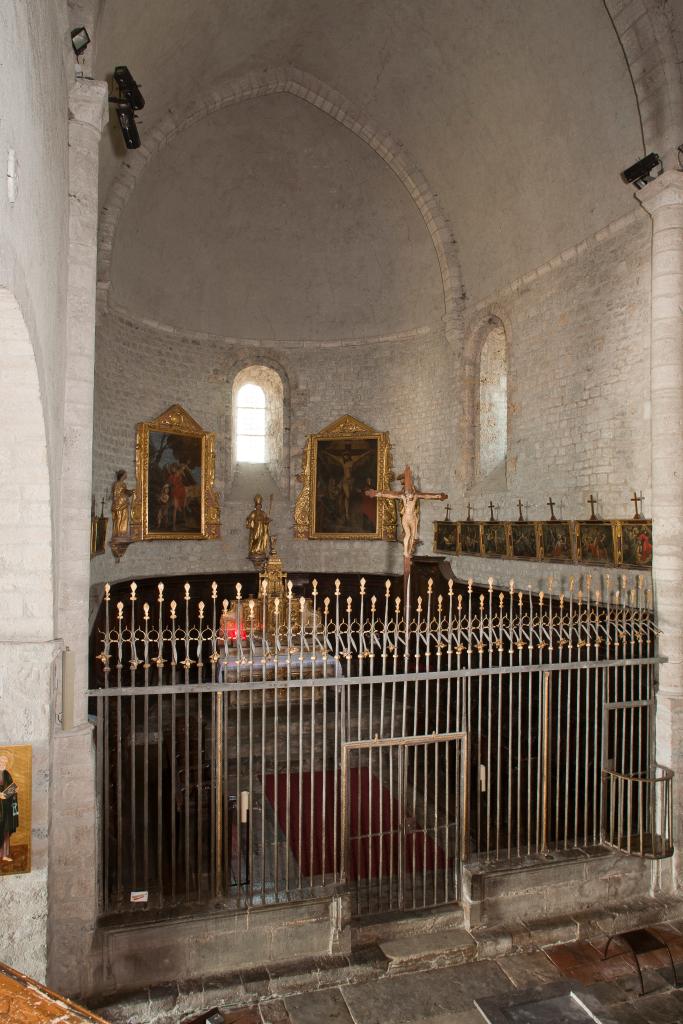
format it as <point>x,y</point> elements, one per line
<point>470,538</point>
<point>340,464</point>
<point>596,542</point>
<point>524,540</point>
<point>446,537</point>
<point>15,809</point>
<point>174,498</point>
<point>557,541</point>
<point>494,540</point>
<point>635,543</point>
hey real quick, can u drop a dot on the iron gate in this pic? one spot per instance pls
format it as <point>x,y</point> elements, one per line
<point>404,821</point>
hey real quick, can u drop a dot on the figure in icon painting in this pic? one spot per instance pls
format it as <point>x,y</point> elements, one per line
<point>15,810</point>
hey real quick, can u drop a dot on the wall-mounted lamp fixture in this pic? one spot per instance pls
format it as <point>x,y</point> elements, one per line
<point>640,174</point>
<point>80,40</point>
<point>127,102</point>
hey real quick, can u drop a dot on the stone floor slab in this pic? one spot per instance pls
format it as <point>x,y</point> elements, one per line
<point>316,1007</point>
<point>418,998</point>
<point>527,969</point>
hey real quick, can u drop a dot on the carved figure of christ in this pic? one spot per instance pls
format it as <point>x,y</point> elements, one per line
<point>409,512</point>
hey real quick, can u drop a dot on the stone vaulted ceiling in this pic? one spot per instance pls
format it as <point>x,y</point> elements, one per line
<point>269,219</point>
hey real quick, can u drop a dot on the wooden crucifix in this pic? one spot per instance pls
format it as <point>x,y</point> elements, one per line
<point>492,507</point>
<point>470,510</point>
<point>448,513</point>
<point>551,504</point>
<point>636,499</point>
<point>409,512</point>
<point>521,510</point>
<point>592,502</point>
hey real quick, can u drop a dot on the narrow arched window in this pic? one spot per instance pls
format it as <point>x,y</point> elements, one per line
<point>258,422</point>
<point>493,401</point>
<point>251,424</point>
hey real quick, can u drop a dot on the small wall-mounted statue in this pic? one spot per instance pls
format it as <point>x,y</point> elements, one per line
<point>258,524</point>
<point>121,495</point>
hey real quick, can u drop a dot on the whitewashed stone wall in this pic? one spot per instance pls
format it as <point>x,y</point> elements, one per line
<point>578,419</point>
<point>579,372</point>
<point>404,385</point>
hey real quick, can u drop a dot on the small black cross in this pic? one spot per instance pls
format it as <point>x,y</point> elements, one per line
<point>521,513</point>
<point>551,504</point>
<point>448,513</point>
<point>470,510</point>
<point>491,507</point>
<point>592,502</point>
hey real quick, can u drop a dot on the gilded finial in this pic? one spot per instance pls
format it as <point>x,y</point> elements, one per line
<point>430,585</point>
<point>362,586</point>
<point>238,591</point>
<point>314,591</point>
<point>387,588</point>
<point>337,587</point>
<point>133,588</point>
<point>214,589</point>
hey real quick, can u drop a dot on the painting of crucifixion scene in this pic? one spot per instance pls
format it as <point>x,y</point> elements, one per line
<point>346,468</point>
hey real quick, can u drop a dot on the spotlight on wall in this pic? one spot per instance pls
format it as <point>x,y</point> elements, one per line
<point>80,40</point>
<point>639,174</point>
<point>129,129</point>
<point>129,90</point>
<point>127,102</point>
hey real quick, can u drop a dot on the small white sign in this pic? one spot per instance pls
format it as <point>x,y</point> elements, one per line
<point>140,896</point>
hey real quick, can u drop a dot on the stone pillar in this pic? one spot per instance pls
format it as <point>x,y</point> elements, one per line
<point>73,833</point>
<point>663,200</point>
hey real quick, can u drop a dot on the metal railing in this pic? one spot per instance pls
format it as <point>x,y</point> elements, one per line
<point>638,812</point>
<point>246,748</point>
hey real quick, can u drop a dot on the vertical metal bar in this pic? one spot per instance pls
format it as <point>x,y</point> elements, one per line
<point>102,792</point>
<point>546,761</point>
<point>145,759</point>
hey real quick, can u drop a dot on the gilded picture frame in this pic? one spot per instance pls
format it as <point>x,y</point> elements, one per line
<point>596,542</point>
<point>469,538</point>
<point>495,542</point>
<point>339,464</point>
<point>557,540</point>
<point>175,464</point>
<point>634,543</point>
<point>525,541</point>
<point>446,537</point>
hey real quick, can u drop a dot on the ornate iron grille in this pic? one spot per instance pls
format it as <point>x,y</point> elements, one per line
<point>227,732</point>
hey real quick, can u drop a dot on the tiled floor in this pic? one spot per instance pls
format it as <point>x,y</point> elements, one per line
<point>446,995</point>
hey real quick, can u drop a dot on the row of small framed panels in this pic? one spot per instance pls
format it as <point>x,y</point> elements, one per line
<point>626,542</point>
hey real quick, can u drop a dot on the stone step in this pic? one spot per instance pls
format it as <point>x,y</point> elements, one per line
<point>380,928</point>
<point>429,950</point>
